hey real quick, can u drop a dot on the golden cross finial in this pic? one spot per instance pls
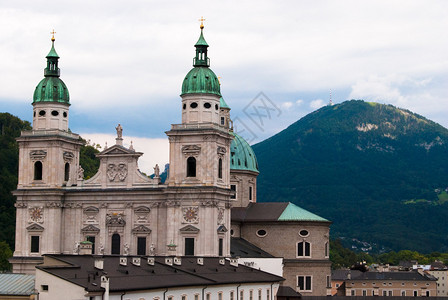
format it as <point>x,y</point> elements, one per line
<point>219,80</point>
<point>202,22</point>
<point>52,38</point>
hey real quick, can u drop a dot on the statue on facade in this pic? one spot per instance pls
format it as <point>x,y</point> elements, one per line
<point>80,173</point>
<point>156,171</point>
<point>119,131</point>
<point>101,249</point>
<point>152,250</point>
<point>126,249</point>
<point>76,248</point>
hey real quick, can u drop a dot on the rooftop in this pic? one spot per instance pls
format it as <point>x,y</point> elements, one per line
<point>16,284</point>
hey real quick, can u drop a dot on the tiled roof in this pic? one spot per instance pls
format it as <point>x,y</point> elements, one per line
<point>273,211</point>
<point>409,276</point>
<point>344,274</point>
<point>80,270</point>
<point>241,248</point>
<point>16,284</point>
<point>288,292</point>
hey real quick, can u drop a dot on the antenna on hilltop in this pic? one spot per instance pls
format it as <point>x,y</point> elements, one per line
<point>331,101</point>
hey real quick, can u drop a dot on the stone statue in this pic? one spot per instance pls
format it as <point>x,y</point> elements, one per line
<point>80,173</point>
<point>126,249</point>
<point>119,131</point>
<point>101,249</point>
<point>152,250</point>
<point>76,248</point>
<point>156,171</point>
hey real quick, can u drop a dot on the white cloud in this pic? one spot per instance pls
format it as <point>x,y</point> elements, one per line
<point>287,105</point>
<point>155,151</point>
<point>299,102</point>
<point>318,103</point>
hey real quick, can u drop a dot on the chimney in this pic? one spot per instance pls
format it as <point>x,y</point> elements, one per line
<point>234,262</point>
<point>123,261</point>
<point>85,248</point>
<point>177,261</point>
<point>200,261</point>
<point>99,263</point>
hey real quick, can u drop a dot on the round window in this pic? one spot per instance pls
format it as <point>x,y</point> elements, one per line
<point>42,113</point>
<point>304,232</point>
<point>193,105</point>
<point>184,106</point>
<point>261,233</point>
<point>207,105</point>
<point>64,114</point>
<point>54,113</point>
<point>216,106</point>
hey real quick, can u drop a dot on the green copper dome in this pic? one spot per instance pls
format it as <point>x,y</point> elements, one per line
<point>223,103</point>
<point>51,88</point>
<point>201,79</point>
<point>242,156</point>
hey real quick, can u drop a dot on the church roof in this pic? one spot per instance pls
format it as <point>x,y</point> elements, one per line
<point>239,247</point>
<point>242,156</point>
<point>223,103</point>
<point>132,277</point>
<point>272,212</point>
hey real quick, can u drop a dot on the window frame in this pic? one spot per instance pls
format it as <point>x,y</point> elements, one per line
<point>307,281</point>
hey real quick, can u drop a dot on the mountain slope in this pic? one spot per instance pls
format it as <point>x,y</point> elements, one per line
<point>370,168</point>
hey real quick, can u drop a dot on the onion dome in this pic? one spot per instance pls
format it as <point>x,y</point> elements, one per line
<point>201,78</point>
<point>51,88</point>
<point>242,156</point>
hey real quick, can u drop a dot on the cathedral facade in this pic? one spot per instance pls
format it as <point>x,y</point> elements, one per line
<point>208,197</point>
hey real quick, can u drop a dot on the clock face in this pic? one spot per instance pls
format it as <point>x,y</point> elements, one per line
<point>36,214</point>
<point>190,214</point>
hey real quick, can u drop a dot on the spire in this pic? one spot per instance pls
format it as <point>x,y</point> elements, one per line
<point>201,59</point>
<point>52,69</point>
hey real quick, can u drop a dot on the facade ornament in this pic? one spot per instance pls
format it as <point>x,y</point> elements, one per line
<point>190,214</point>
<point>76,248</point>
<point>21,204</point>
<point>38,154</point>
<point>115,219</point>
<point>101,249</point>
<point>68,156</point>
<point>122,171</point>
<point>229,205</point>
<point>105,145</point>
<point>156,171</point>
<point>126,249</point>
<point>221,150</point>
<point>220,216</point>
<point>191,150</point>
<point>209,203</point>
<point>111,172</point>
<point>129,205</point>
<point>80,173</point>
<point>36,215</point>
<point>172,203</point>
<point>152,250</point>
<point>53,204</point>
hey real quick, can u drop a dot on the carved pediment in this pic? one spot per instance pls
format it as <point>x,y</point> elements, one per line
<point>189,229</point>
<point>35,227</point>
<point>222,229</point>
<point>142,209</point>
<point>91,210</point>
<point>68,156</point>
<point>141,229</point>
<point>191,149</point>
<point>38,154</point>
<point>90,229</point>
<point>116,150</point>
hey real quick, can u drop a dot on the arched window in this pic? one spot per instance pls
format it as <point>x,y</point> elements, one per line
<point>115,244</point>
<point>38,170</point>
<point>191,167</point>
<point>67,172</point>
<point>220,168</point>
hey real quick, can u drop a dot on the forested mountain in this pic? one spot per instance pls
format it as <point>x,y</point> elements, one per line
<point>377,171</point>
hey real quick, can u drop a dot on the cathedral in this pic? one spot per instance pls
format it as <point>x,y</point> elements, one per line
<point>207,207</point>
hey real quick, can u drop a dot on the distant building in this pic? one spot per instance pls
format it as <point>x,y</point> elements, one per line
<point>409,284</point>
<point>440,272</point>
<point>338,278</point>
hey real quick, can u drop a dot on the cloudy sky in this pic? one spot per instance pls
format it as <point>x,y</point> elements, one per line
<point>124,61</point>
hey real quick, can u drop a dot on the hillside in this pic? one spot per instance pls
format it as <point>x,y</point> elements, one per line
<point>370,168</point>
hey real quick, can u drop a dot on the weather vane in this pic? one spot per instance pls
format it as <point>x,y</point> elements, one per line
<point>52,38</point>
<point>202,22</point>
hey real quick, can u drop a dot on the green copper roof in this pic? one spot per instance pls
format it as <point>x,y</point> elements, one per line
<point>51,88</point>
<point>294,213</point>
<point>242,157</point>
<point>52,52</point>
<point>201,80</point>
<point>223,103</point>
<point>201,41</point>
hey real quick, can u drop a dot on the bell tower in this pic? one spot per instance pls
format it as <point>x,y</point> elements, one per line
<point>49,153</point>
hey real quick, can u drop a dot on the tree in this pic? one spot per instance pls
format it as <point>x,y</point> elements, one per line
<point>5,254</point>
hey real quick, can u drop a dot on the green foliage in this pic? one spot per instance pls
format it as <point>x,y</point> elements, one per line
<point>88,161</point>
<point>5,254</point>
<point>357,164</point>
<point>10,128</point>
